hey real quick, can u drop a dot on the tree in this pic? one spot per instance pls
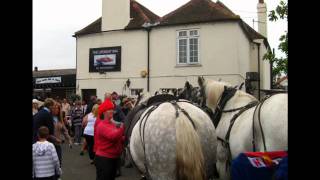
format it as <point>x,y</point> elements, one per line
<point>75,97</point>
<point>280,64</point>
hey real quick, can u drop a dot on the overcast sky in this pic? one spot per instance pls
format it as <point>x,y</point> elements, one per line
<point>55,21</point>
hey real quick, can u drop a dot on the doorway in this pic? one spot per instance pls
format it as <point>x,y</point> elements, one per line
<point>86,93</point>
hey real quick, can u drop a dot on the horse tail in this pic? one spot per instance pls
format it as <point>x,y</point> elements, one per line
<point>189,155</point>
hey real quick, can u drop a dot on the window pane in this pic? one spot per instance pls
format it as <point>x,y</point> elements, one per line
<point>182,33</point>
<point>182,59</point>
<point>193,33</point>
<point>195,58</point>
<point>194,41</point>
<point>193,46</point>
<point>182,50</point>
<point>182,42</point>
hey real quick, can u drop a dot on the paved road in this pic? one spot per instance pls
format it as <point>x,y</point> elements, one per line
<point>76,167</point>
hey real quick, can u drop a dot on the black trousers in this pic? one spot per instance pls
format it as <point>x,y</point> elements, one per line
<point>90,143</point>
<point>106,168</point>
<point>59,153</point>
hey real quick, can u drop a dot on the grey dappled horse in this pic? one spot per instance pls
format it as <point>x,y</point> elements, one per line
<point>174,141</point>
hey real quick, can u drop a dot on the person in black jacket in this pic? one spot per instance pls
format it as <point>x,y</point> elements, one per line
<point>44,118</point>
<point>92,102</point>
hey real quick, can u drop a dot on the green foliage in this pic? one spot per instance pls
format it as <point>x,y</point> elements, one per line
<point>280,65</point>
<point>75,97</point>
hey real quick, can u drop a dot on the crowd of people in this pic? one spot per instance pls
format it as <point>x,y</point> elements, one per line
<point>98,126</point>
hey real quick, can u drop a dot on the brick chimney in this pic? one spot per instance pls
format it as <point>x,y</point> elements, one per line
<point>115,14</point>
<point>262,18</point>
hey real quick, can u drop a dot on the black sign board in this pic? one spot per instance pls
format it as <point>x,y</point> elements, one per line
<point>105,59</point>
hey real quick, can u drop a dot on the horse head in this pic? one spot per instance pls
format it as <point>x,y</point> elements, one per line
<point>210,91</point>
<point>186,91</point>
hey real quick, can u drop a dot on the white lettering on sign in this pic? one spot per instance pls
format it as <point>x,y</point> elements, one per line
<point>48,80</point>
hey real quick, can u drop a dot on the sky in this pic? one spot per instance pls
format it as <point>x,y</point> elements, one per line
<point>55,21</point>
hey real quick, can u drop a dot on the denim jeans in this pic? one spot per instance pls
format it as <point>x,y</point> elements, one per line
<point>78,133</point>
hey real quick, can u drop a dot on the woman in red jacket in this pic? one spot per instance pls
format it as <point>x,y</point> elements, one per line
<point>110,138</point>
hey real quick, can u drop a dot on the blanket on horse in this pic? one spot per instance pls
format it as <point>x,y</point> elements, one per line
<point>260,165</point>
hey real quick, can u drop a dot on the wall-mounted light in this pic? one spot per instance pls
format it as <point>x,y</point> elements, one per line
<point>143,73</point>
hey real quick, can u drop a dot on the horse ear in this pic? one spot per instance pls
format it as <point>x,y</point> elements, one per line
<point>187,85</point>
<point>200,81</point>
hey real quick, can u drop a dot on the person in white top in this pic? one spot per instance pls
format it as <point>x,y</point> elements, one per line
<point>88,124</point>
<point>34,107</point>
<point>65,107</point>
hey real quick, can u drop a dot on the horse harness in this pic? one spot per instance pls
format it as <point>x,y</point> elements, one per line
<point>224,98</point>
<point>150,106</point>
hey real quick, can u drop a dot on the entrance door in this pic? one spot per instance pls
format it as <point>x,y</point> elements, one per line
<point>86,93</point>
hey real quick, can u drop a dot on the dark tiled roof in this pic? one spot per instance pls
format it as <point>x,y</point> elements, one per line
<point>224,8</point>
<point>138,13</point>
<point>251,33</point>
<point>94,27</point>
<point>196,11</point>
<point>56,72</point>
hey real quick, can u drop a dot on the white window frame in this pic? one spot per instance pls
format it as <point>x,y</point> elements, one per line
<point>188,37</point>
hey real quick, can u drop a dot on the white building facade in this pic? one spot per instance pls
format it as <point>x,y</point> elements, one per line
<point>211,42</point>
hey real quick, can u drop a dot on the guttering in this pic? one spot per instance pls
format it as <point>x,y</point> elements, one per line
<point>148,27</point>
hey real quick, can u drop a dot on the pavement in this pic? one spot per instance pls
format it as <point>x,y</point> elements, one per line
<point>76,167</point>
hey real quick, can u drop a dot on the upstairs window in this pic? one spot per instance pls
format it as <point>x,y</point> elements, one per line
<point>188,47</point>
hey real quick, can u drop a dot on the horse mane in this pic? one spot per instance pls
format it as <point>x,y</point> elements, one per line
<point>213,90</point>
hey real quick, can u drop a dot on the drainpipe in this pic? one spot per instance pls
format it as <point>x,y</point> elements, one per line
<point>258,44</point>
<point>148,66</point>
<point>148,26</point>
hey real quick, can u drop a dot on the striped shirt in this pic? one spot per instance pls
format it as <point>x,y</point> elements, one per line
<point>76,116</point>
<point>45,160</point>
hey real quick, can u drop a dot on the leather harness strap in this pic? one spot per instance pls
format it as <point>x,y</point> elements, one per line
<point>143,124</point>
<point>227,94</point>
<point>261,129</point>
<point>232,121</point>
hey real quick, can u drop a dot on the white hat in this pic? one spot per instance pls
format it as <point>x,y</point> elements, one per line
<point>36,101</point>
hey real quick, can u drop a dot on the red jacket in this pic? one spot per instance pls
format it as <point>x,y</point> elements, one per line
<point>109,139</point>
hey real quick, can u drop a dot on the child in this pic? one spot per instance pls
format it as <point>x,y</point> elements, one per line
<point>76,117</point>
<point>45,159</point>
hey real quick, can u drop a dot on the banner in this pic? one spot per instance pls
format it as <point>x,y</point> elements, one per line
<point>48,80</point>
<point>105,59</point>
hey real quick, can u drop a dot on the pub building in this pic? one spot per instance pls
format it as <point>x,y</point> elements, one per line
<point>54,83</point>
<point>131,45</point>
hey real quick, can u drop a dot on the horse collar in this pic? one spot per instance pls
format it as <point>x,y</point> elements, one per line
<point>227,94</point>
